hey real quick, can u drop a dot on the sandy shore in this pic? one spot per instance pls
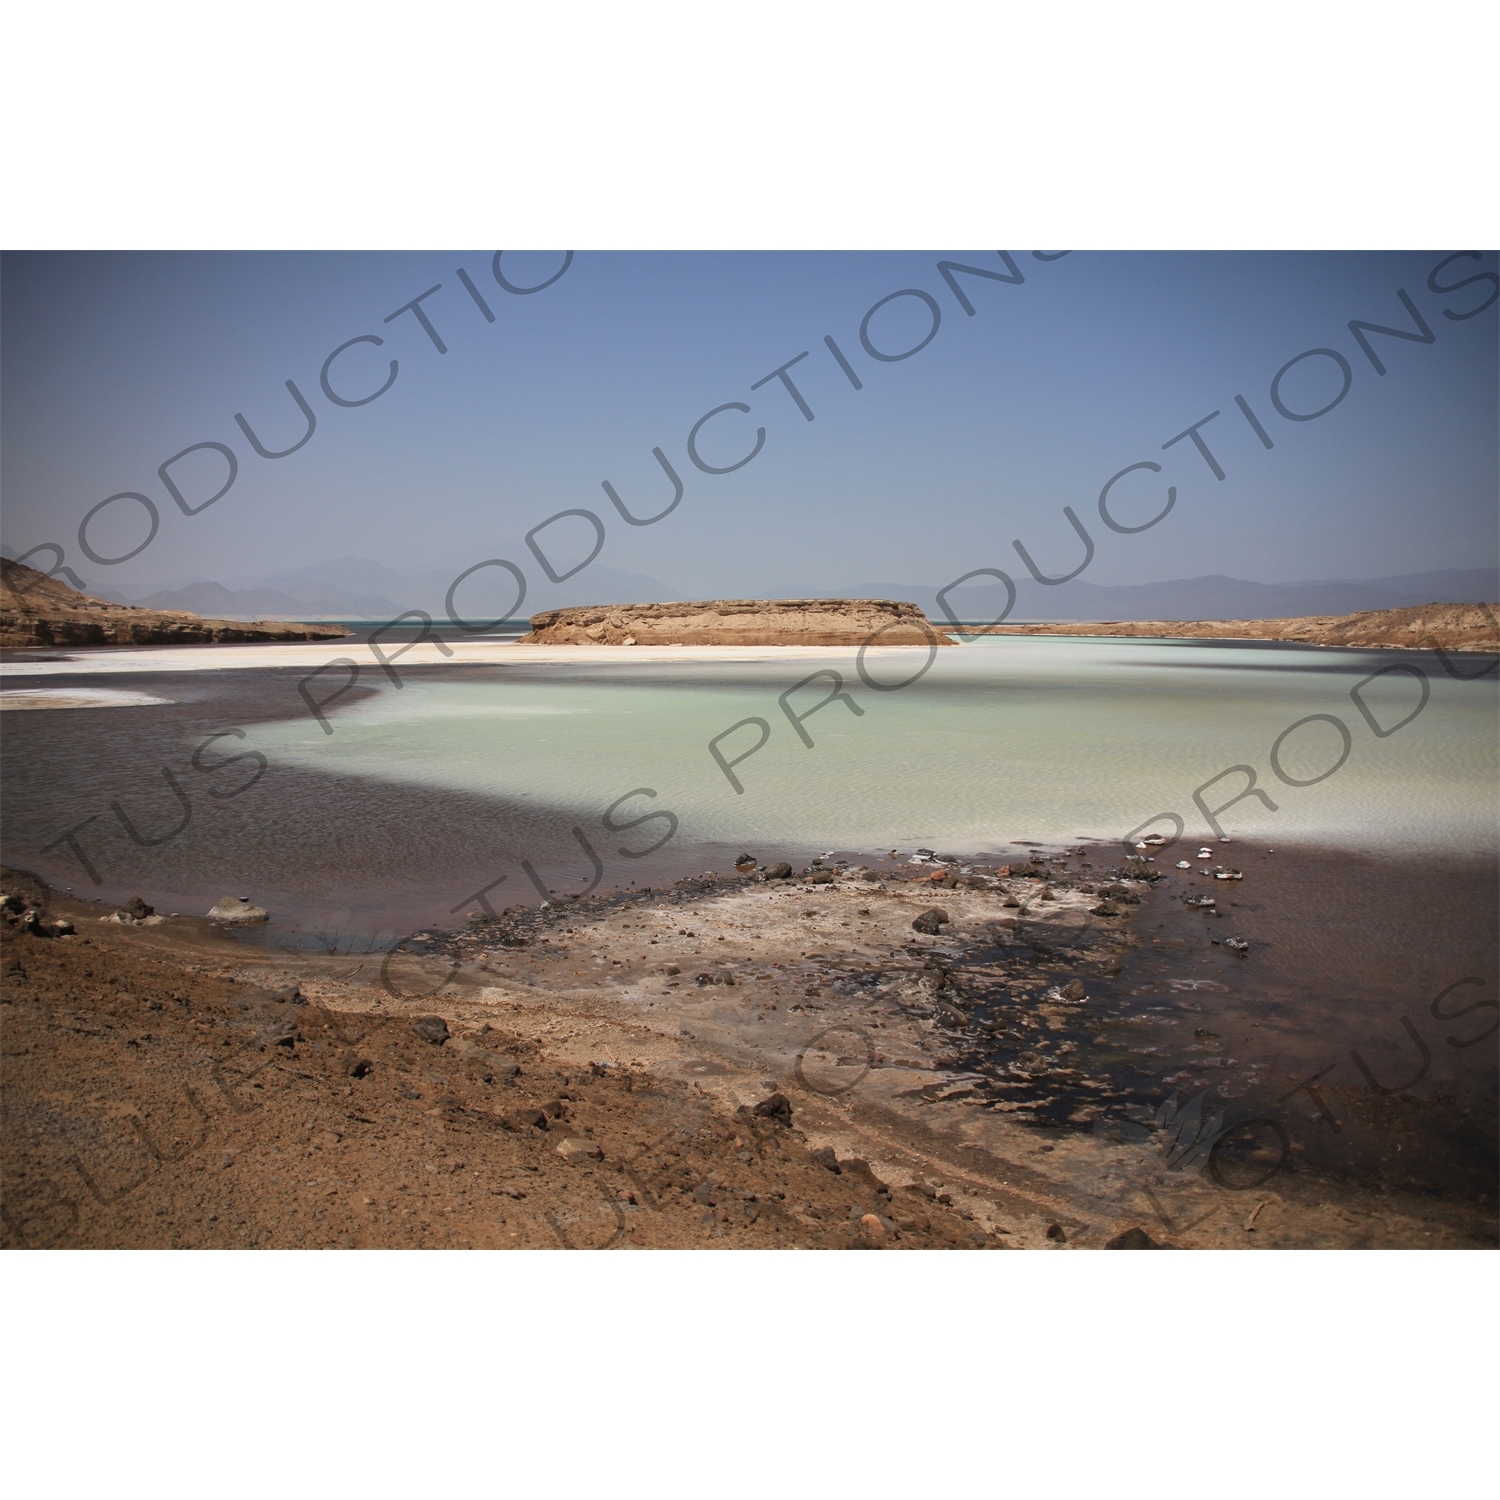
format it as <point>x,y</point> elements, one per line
<point>158,1091</point>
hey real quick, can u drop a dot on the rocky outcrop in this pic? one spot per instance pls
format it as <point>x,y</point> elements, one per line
<point>39,611</point>
<point>738,622</point>
<point>1453,627</point>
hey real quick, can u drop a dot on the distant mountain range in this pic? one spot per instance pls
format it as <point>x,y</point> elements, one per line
<point>352,588</point>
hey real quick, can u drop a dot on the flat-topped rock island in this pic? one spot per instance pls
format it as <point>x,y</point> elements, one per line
<point>738,622</point>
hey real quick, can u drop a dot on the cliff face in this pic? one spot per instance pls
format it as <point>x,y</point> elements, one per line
<point>1454,627</point>
<point>39,611</point>
<point>738,622</point>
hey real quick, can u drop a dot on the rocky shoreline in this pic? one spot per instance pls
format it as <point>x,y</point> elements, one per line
<point>1448,627</point>
<point>39,611</point>
<point>916,1051</point>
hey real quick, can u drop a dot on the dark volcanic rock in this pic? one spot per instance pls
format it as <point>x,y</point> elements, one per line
<point>1134,1239</point>
<point>778,1107</point>
<point>432,1029</point>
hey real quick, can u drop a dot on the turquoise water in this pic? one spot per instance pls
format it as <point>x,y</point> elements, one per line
<point>1000,739</point>
<point>423,794</point>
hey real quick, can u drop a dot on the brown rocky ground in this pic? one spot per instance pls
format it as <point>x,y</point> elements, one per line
<point>608,1073</point>
<point>39,611</point>
<point>1451,627</point>
<point>738,622</point>
<point>154,1098</point>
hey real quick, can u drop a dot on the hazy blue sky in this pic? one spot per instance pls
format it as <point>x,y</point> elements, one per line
<point>112,363</point>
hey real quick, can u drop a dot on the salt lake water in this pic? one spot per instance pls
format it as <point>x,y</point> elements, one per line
<point>422,794</point>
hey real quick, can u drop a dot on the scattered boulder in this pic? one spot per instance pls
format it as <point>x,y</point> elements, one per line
<point>231,911</point>
<point>573,1150</point>
<point>432,1029</point>
<point>138,908</point>
<point>1055,1232</point>
<point>819,877</point>
<point>930,920</point>
<point>1134,1239</point>
<point>1074,990</point>
<point>777,872</point>
<point>493,1064</point>
<point>826,1156</point>
<point>858,1170</point>
<point>525,1119</point>
<point>1104,909</point>
<point>352,1065</point>
<point>778,1108</point>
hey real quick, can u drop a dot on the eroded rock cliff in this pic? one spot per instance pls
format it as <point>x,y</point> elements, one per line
<point>738,622</point>
<point>39,611</point>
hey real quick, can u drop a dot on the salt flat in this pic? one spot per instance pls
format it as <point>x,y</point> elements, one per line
<point>77,698</point>
<point>116,661</point>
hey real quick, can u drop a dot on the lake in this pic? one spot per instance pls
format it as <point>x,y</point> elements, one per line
<point>422,794</point>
